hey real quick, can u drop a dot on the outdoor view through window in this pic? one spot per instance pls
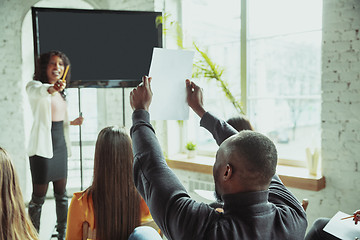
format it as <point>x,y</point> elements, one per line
<point>283,68</point>
<point>284,73</point>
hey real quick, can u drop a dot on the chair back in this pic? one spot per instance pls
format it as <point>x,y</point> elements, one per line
<point>88,233</point>
<point>305,203</point>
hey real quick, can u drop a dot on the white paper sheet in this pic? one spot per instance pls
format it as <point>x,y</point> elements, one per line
<point>343,229</point>
<point>169,69</point>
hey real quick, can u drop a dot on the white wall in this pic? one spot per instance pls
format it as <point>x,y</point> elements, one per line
<point>340,111</point>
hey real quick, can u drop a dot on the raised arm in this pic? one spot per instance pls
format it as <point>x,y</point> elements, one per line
<point>157,184</point>
<point>36,89</point>
<point>220,129</point>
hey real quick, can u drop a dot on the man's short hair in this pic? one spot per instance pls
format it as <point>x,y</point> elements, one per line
<point>258,153</point>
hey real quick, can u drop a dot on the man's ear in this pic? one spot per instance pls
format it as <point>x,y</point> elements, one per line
<point>228,172</point>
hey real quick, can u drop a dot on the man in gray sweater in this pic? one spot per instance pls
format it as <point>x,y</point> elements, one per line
<point>256,203</point>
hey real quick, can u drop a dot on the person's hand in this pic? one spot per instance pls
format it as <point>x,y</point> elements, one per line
<point>141,96</point>
<point>194,97</point>
<point>357,216</point>
<point>77,121</point>
<point>58,87</point>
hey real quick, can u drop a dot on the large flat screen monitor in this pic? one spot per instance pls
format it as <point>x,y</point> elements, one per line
<point>106,48</point>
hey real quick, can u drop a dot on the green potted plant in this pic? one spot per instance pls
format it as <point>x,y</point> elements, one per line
<point>191,149</point>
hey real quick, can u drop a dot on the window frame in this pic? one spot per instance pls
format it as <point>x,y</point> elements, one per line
<point>243,87</point>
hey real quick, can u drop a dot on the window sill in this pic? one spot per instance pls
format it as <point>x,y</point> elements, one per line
<point>297,177</point>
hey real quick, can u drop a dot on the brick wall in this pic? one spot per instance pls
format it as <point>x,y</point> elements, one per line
<point>340,112</point>
<point>11,90</point>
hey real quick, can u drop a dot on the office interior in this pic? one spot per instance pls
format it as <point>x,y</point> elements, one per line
<point>334,186</point>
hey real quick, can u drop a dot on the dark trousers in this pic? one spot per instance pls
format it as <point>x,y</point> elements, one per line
<point>316,232</point>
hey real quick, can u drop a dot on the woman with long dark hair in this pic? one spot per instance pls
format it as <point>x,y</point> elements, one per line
<point>14,221</point>
<point>110,207</point>
<point>49,145</point>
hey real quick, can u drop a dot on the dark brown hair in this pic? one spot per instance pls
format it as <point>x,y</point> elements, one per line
<point>42,63</point>
<point>116,200</point>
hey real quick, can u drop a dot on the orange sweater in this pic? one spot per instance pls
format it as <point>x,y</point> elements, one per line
<point>81,210</point>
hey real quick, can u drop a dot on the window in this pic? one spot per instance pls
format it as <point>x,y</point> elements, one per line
<point>284,73</point>
<point>101,107</point>
<point>89,132</point>
<point>215,29</point>
<point>282,67</point>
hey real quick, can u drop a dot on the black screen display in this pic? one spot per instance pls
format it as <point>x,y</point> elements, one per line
<point>106,48</point>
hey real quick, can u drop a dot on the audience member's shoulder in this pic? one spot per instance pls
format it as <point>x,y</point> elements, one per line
<point>80,196</point>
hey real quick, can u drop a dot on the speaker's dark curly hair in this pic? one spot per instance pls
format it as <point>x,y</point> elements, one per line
<point>42,63</point>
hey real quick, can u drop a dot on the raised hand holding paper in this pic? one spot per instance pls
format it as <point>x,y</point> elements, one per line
<point>169,69</point>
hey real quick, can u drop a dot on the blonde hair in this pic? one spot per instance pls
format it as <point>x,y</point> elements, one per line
<point>14,221</point>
